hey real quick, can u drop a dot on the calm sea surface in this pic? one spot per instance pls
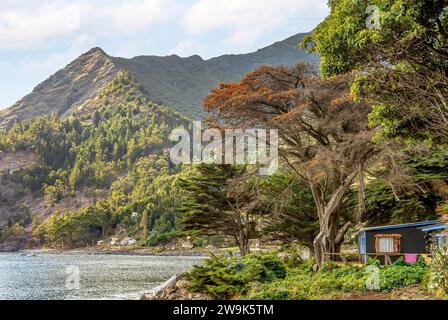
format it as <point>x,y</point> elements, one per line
<point>55,276</point>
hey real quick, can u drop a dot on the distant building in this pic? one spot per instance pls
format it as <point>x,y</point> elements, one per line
<point>128,242</point>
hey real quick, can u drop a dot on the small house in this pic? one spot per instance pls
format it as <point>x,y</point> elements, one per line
<point>128,242</point>
<point>437,234</point>
<point>389,243</point>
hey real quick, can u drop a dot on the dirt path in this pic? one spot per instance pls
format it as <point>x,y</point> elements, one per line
<point>408,293</point>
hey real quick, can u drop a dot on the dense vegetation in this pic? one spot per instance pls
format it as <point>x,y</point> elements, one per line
<point>221,200</point>
<point>269,277</point>
<point>367,138</point>
<point>118,146</point>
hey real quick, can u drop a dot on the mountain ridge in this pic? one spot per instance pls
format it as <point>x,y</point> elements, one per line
<point>174,81</point>
<point>80,81</point>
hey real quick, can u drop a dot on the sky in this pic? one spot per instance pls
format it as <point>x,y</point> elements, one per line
<point>39,37</point>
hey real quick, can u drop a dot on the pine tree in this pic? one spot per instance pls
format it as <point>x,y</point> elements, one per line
<point>216,202</point>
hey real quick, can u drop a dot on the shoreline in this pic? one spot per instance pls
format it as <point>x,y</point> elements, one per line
<point>128,252</point>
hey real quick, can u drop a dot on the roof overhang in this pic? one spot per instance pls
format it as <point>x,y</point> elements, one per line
<point>435,228</point>
<point>400,226</point>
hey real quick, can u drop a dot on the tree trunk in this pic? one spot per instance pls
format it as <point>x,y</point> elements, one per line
<point>244,242</point>
<point>244,249</point>
<point>362,195</point>
<point>328,242</point>
<point>327,245</point>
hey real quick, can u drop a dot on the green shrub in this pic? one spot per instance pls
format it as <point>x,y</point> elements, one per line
<point>11,233</point>
<point>303,284</point>
<point>267,277</point>
<point>227,276</point>
<point>163,238</point>
<point>438,276</point>
<point>401,275</point>
<point>292,288</point>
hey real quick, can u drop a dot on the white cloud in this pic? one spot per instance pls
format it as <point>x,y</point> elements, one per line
<point>130,16</point>
<point>21,27</point>
<point>34,24</point>
<point>247,20</point>
<point>31,24</point>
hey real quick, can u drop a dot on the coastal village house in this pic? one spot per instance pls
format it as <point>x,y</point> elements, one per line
<point>437,234</point>
<point>411,240</point>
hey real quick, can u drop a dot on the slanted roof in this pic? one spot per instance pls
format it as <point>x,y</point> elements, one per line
<point>434,228</point>
<point>400,226</point>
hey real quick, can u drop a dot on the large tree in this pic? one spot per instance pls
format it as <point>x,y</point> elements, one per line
<point>325,136</point>
<point>221,200</point>
<point>401,61</point>
<point>289,209</point>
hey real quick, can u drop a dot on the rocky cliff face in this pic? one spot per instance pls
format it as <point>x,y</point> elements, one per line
<point>66,90</point>
<point>180,83</point>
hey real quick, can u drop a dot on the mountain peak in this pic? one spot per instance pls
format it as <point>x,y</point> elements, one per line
<point>96,51</point>
<point>67,89</point>
<point>195,57</point>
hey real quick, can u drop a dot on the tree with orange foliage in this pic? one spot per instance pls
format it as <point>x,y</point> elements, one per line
<point>325,136</point>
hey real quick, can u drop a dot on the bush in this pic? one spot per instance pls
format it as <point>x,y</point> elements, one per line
<point>267,277</point>
<point>12,233</point>
<point>438,276</point>
<point>302,284</point>
<point>163,238</point>
<point>401,275</point>
<point>227,276</point>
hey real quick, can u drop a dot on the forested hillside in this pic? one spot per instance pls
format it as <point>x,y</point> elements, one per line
<point>92,171</point>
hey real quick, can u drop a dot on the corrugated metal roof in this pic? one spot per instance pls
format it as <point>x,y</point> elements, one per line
<point>399,226</point>
<point>434,228</point>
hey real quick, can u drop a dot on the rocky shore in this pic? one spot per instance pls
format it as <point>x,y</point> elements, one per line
<point>12,246</point>
<point>15,247</point>
<point>174,289</point>
<point>127,252</point>
<point>9,249</point>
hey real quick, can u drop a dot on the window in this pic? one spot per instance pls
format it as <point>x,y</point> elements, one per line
<point>388,243</point>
